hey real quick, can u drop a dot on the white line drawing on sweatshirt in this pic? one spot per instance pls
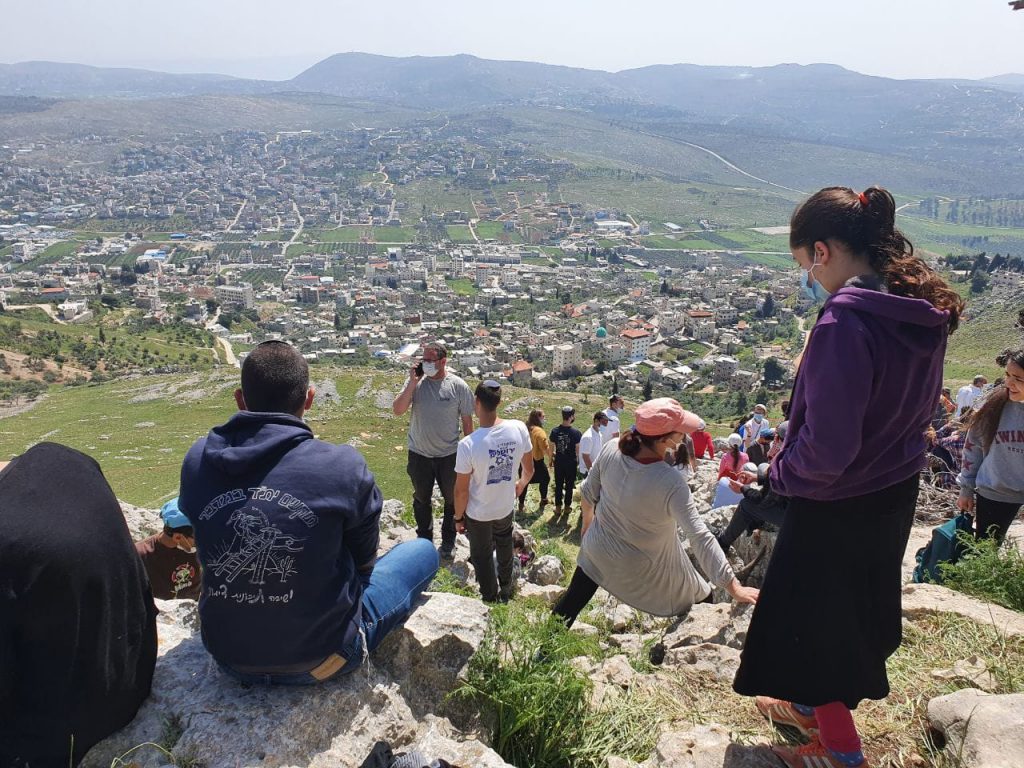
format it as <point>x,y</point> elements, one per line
<point>258,548</point>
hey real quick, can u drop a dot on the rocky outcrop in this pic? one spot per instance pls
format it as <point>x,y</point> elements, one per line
<point>197,712</point>
<point>142,523</point>
<point>708,746</point>
<point>980,730</point>
<point>722,624</point>
<point>929,599</point>
<point>545,570</point>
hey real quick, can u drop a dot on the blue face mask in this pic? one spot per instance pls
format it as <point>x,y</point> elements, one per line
<point>758,418</point>
<point>817,292</point>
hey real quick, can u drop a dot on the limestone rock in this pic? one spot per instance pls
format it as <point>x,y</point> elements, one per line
<point>930,599</point>
<point>630,643</point>
<point>225,724</point>
<point>720,624</point>
<point>983,730</point>
<point>621,762</point>
<point>619,615</point>
<point>719,662</point>
<point>708,746</point>
<point>392,537</point>
<point>615,670</point>
<point>142,522</point>
<point>718,518</point>
<point>391,514</point>
<point>545,570</point>
<point>971,670</point>
<point>439,741</point>
<point>755,551</point>
<point>582,628</point>
<point>427,655</point>
<point>550,594</point>
<point>182,613</point>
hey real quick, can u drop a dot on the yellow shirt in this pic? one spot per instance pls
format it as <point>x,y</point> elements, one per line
<point>539,438</point>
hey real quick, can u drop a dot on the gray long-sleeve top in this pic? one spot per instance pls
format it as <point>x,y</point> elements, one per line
<point>632,550</point>
<point>998,473</point>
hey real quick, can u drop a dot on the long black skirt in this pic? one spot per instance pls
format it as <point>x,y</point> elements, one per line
<point>829,614</point>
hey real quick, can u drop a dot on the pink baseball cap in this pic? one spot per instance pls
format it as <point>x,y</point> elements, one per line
<point>663,415</point>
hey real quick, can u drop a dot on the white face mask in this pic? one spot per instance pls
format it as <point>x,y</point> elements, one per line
<point>188,550</point>
<point>429,369</point>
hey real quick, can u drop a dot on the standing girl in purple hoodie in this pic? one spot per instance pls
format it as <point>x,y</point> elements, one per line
<point>829,612</point>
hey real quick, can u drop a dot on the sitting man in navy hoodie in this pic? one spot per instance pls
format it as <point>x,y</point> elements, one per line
<point>287,528</point>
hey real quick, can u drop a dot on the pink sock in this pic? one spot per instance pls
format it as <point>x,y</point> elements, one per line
<point>835,727</point>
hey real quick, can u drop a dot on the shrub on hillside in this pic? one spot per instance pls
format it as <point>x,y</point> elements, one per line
<point>537,704</point>
<point>988,570</point>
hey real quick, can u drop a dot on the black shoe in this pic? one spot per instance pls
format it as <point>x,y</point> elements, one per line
<point>446,553</point>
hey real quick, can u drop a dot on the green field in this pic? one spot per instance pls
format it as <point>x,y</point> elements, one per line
<point>275,237</point>
<point>748,239</point>
<point>346,234</point>
<point>698,244</point>
<point>495,230</point>
<point>459,233</point>
<point>988,330</point>
<point>463,286</point>
<point>129,343</point>
<point>298,249</point>
<point>52,254</point>
<point>683,203</point>
<point>394,234</point>
<point>425,196</point>
<point>139,429</point>
<point>943,237</point>
<point>659,241</point>
<point>263,276</point>
<point>775,261</point>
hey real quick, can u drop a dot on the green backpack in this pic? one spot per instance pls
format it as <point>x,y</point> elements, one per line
<point>945,547</point>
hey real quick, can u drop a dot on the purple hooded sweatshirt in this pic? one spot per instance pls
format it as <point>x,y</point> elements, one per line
<point>865,394</point>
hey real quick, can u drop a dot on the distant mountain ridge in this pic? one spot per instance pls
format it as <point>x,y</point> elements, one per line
<point>966,128</point>
<point>69,81</point>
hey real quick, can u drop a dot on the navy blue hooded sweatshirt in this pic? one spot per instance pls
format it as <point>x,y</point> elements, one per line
<point>282,522</point>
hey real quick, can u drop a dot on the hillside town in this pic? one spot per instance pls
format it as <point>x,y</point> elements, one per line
<point>269,248</point>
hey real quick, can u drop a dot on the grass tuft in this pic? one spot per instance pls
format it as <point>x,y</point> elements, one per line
<point>537,703</point>
<point>989,571</point>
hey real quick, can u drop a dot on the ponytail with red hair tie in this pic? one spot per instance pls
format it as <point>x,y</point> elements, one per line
<point>863,199</point>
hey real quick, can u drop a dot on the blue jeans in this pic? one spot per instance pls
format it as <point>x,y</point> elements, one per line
<point>389,591</point>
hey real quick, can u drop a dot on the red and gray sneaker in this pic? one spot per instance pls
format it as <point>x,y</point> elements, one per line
<point>813,755</point>
<point>782,713</point>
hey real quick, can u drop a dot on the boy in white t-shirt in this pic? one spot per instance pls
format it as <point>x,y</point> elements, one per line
<point>486,464</point>
<point>591,443</point>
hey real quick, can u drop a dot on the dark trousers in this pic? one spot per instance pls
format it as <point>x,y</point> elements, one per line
<point>487,537</point>
<point>992,518</point>
<point>565,482</point>
<point>581,590</point>
<point>540,477</point>
<point>424,472</point>
<point>749,515</point>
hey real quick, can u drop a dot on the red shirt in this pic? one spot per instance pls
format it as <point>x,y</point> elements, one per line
<point>702,443</point>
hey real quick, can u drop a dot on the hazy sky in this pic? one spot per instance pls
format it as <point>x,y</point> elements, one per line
<point>277,39</point>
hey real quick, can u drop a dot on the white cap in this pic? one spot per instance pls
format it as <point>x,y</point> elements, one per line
<point>734,440</point>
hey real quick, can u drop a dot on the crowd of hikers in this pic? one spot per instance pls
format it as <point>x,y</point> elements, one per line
<point>276,532</point>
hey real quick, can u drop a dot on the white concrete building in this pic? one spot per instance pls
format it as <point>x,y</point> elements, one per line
<point>638,344</point>
<point>566,356</point>
<point>237,295</point>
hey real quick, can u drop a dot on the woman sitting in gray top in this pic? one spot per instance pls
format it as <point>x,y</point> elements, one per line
<point>632,503</point>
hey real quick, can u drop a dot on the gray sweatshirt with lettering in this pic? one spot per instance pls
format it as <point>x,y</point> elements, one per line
<point>998,473</point>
